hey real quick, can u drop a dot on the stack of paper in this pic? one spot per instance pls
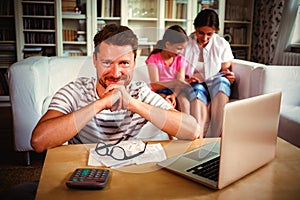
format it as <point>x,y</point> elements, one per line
<point>153,153</point>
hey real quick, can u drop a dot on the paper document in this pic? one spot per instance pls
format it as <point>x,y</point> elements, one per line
<point>153,153</point>
<point>218,75</point>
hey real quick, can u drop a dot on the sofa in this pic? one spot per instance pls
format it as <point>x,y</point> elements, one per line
<point>33,82</point>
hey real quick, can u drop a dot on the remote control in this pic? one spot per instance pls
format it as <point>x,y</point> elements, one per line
<point>88,178</point>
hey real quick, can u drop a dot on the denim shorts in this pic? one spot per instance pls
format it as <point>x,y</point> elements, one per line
<point>166,91</point>
<point>206,91</point>
<point>188,92</point>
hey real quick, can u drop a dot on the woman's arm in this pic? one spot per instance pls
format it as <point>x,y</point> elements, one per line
<point>226,67</point>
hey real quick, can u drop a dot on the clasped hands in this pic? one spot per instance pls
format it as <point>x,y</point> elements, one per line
<point>116,97</point>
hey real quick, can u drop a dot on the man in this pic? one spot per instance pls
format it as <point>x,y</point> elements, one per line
<point>112,106</point>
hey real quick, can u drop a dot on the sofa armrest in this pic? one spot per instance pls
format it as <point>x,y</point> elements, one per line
<point>242,85</point>
<point>28,83</point>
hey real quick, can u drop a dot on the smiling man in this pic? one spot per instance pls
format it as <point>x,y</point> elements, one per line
<point>111,106</point>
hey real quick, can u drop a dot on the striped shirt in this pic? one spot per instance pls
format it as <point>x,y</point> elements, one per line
<point>106,125</point>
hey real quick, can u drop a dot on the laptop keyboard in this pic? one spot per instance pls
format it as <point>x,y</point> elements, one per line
<point>209,169</point>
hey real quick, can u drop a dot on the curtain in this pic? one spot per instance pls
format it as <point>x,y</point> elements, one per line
<point>266,21</point>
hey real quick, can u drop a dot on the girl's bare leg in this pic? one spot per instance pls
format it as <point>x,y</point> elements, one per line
<point>217,110</point>
<point>200,112</point>
<point>183,104</point>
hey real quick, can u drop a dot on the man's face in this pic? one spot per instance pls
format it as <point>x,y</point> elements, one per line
<point>114,64</point>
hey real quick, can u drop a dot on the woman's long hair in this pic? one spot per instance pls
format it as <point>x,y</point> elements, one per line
<point>207,17</point>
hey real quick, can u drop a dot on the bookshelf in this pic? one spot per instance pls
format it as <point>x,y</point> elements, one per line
<point>36,34</point>
<point>238,27</point>
<point>74,27</point>
<point>67,27</point>
<point>143,18</point>
<point>7,46</point>
<point>148,19</point>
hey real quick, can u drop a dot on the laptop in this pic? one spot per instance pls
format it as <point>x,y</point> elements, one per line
<point>248,142</point>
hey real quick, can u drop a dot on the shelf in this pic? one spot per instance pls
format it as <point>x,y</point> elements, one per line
<point>5,101</point>
<point>81,32</point>
<point>297,44</point>
<point>142,19</point>
<point>7,42</point>
<point>39,16</point>
<point>39,2</point>
<point>4,66</point>
<point>6,16</point>
<point>237,22</point>
<point>73,16</point>
<point>40,45</point>
<point>75,42</point>
<point>175,20</point>
<point>39,30</point>
<point>109,18</point>
<point>240,45</point>
<point>4,98</point>
<point>147,43</point>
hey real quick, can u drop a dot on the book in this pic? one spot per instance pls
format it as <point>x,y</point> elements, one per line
<point>4,90</point>
<point>68,5</point>
<point>69,35</point>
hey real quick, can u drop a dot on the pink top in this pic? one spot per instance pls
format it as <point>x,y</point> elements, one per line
<point>166,73</point>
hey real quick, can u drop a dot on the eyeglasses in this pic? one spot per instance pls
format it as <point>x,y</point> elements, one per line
<point>116,152</point>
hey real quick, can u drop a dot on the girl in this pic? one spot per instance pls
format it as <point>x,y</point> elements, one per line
<point>166,65</point>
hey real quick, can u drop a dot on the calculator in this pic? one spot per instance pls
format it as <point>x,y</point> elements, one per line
<point>88,178</point>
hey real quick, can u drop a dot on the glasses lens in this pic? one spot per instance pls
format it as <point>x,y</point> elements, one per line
<point>101,149</point>
<point>117,153</point>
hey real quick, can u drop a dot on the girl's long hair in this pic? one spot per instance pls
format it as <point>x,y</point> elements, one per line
<point>174,34</point>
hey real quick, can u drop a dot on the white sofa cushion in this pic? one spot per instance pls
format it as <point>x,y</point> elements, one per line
<point>289,124</point>
<point>286,79</point>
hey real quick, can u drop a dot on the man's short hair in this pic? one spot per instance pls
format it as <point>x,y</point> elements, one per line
<point>116,35</point>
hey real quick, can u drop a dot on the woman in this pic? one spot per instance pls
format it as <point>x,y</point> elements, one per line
<point>209,71</point>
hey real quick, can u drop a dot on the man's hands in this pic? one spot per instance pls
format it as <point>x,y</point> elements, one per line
<point>116,97</point>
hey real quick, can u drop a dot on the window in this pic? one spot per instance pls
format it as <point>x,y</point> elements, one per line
<point>295,37</point>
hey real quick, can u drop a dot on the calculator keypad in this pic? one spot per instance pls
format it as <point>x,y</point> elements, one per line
<point>88,178</point>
